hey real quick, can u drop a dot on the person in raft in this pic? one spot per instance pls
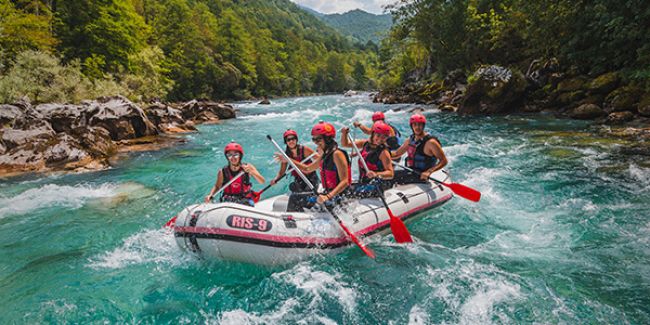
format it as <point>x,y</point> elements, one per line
<point>377,156</point>
<point>424,153</point>
<point>334,164</point>
<point>240,190</point>
<point>393,141</point>
<point>299,153</point>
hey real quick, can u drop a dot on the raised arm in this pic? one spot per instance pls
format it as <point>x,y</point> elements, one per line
<point>402,149</point>
<point>251,170</point>
<point>363,128</point>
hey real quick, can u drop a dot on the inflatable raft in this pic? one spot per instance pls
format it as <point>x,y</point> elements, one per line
<point>267,234</point>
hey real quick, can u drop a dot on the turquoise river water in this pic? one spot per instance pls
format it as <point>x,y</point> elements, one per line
<point>561,235</point>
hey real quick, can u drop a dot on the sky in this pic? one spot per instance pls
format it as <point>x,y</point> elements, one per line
<point>341,6</point>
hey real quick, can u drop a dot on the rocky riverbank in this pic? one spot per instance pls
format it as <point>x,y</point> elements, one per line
<point>54,137</point>
<point>606,98</point>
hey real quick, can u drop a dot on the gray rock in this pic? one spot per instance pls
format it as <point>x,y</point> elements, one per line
<point>8,114</point>
<point>122,118</point>
<point>62,117</point>
<point>37,130</point>
<point>620,117</point>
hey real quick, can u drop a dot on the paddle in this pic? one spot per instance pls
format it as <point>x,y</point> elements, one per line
<point>329,208</point>
<point>256,195</point>
<point>171,221</point>
<point>397,227</point>
<point>459,189</point>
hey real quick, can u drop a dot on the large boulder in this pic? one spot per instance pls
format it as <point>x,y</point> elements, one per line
<point>644,105</point>
<point>494,89</point>
<point>122,118</point>
<point>34,131</point>
<point>62,117</point>
<point>9,114</point>
<point>168,119</point>
<point>586,112</point>
<point>202,110</point>
<point>624,98</point>
<point>95,140</point>
<point>604,83</point>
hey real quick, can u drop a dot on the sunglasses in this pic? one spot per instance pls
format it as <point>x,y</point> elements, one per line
<point>317,139</point>
<point>234,154</point>
<point>290,139</point>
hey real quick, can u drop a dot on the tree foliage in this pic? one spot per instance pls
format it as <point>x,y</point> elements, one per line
<point>182,49</point>
<point>592,36</point>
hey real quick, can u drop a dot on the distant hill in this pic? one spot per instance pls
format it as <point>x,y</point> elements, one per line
<point>360,25</point>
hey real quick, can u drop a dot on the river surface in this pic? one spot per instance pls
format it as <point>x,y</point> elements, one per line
<point>561,235</point>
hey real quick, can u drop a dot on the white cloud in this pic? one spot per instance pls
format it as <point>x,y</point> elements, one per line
<point>341,6</point>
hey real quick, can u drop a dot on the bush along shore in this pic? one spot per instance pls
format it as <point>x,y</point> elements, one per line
<point>606,99</point>
<point>65,137</point>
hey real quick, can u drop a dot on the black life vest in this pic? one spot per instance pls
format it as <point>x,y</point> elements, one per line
<point>394,142</point>
<point>416,158</point>
<point>240,188</point>
<point>329,174</point>
<point>371,156</point>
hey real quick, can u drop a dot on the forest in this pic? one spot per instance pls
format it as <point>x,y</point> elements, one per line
<point>68,51</point>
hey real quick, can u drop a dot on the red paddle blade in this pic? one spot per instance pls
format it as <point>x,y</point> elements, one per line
<point>397,226</point>
<point>464,191</point>
<point>171,222</point>
<point>256,196</point>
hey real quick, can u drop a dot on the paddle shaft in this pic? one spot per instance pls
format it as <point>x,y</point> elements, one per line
<point>285,174</point>
<point>397,227</point>
<point>329,208</point>
<point>460,189</point>
<point>223,187</point>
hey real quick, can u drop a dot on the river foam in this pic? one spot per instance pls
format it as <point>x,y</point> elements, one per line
<point>52,195</point>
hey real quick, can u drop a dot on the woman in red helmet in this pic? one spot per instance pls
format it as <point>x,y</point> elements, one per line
<point>297,152</point>
<point>425,154</point>
<point>377,157</point>
<point>374,151</point>
<point>240,190</point>
<point>334,163</point>
<point>394,139</point>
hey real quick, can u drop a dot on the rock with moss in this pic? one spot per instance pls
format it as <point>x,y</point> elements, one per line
<point>571,85</point>
<point>644,105</point>
<point>586,112</point>
<point>494,89</point>
<point>604,83</point>
<point>624,98</point>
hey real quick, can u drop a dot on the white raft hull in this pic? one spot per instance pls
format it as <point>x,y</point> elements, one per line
<point>266,234</point>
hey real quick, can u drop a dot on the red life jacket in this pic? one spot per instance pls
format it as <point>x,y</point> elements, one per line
<point>241,187</point>
<point>371,156</point>
<point>299,157</point>
<point>329,174</point>
<point>416,158</point>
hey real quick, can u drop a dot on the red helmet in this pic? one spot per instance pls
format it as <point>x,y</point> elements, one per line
<point>378,116</point>
<point>323,128</point>
<point>233,146</point>
<point>289,132</point>
<point>381,128</point>
<point>417,118</point>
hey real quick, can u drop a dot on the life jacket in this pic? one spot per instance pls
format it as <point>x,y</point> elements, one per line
<point>299,157</point>
<point>394,142</point>
<point>371,156</point>
<point>329,174</point>
<point>240,188</point>
<point>416,158</point>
